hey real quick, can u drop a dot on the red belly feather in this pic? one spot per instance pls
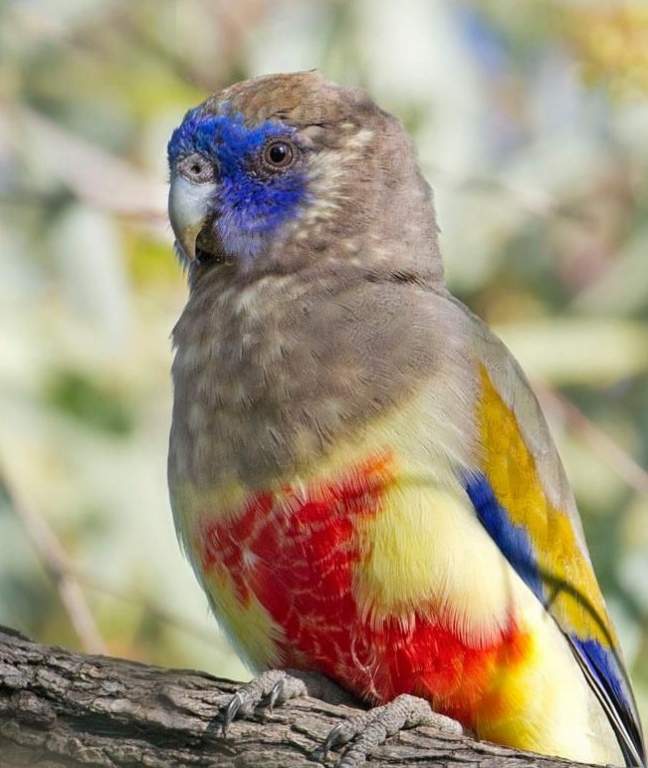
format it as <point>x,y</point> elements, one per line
<point>297,552</point>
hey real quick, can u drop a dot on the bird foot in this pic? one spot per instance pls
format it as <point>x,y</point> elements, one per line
<point>366,731</point>
<point>276,686</point>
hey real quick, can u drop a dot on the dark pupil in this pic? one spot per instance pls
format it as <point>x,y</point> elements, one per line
<point>196,168</point>
<point>278,153</point>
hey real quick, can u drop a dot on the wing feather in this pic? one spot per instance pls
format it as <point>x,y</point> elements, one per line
<point>521,496</point>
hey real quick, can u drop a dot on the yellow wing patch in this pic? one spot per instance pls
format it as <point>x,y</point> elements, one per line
<point>572,591</point>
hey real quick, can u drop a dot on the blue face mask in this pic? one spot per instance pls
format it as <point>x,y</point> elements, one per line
<point>257,174</point>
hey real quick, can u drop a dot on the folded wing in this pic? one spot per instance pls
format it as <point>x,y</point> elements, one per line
<point>522,499</point>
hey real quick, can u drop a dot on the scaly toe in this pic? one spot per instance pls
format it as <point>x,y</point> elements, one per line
<point>364,732</point>
<point>269,688</point>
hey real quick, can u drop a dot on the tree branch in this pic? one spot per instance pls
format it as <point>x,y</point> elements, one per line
<point>66,710</point>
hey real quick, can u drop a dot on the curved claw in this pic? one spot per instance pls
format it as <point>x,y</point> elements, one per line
<point>271,687</point>
<point>275,693</point>
<point>329,742</point>
<point>231,711</point>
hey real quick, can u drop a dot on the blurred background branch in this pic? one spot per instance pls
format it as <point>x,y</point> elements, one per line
<point>70,581</point>
<point>531,121</point>
<point>55,562</point>
<point>601,444</point>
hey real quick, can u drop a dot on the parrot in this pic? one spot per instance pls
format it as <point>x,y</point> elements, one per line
<point>359,472</point>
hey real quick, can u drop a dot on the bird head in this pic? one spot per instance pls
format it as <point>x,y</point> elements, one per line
<point>277,171</point>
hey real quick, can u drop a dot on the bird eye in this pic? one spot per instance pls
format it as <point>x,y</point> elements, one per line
<point>197,168</point>
<point>279,154</point>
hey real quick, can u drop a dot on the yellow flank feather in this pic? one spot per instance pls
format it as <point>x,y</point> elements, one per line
<point>544,704</point>
<point>248,625</point>
<point>572,590</point>
<point>425,551</point>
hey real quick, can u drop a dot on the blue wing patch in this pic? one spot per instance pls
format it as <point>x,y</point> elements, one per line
<point>513,540</point>
<point>605,675</point>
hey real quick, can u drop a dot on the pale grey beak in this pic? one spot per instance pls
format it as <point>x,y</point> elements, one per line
<point>189,209</point>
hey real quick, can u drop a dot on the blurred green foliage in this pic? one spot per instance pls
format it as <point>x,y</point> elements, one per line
<point>531,120</point>
<point>89,402</point>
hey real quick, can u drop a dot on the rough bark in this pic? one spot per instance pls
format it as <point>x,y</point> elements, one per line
<point>60,709</point>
